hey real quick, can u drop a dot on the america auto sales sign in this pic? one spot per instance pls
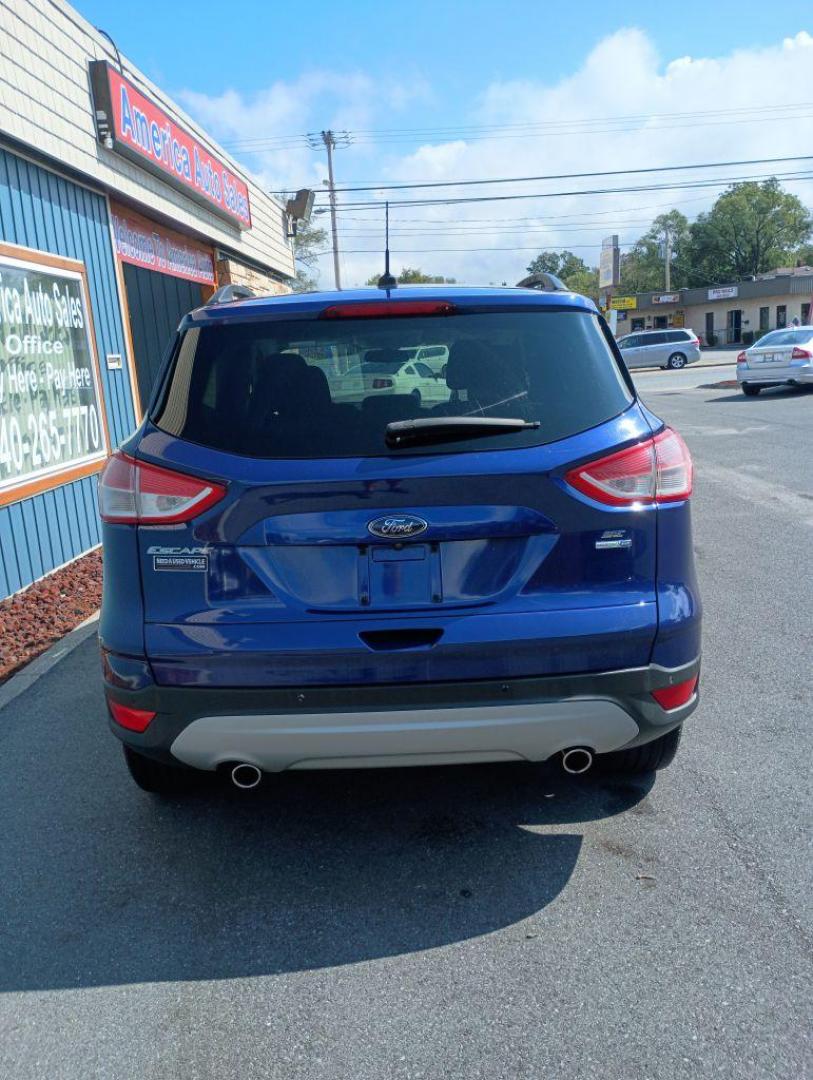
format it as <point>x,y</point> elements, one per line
<point>130,123</point>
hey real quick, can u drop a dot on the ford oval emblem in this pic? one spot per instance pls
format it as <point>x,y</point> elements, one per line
<point>397,526</point>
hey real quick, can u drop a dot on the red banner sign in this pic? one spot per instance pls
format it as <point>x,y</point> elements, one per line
<point>132,124</point>
<point>144,243</point>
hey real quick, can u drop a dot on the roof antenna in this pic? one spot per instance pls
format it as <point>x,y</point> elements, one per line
<point>387,281</point>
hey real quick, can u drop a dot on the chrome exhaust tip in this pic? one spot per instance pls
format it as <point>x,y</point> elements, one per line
<point>577,760</point>
<point>246,776</point>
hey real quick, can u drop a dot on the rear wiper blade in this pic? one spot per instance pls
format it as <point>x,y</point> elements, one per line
<point>436,429</point>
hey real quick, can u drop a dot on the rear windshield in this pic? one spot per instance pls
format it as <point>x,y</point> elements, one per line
<point>328,388</point>
<point>384,367</point>
<point>787,337</point>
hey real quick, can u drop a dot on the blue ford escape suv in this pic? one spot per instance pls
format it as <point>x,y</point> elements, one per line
<point>321,553</point>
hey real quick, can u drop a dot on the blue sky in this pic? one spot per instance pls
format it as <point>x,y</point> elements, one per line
<point>262,72</point>
<point>459,46</point>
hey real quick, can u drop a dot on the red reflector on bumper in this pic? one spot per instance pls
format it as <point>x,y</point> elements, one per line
<point>132,719</point>
<point>672,697</point>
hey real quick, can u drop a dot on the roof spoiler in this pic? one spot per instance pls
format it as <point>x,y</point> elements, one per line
<point>544,282</point>
<point>226,293</point>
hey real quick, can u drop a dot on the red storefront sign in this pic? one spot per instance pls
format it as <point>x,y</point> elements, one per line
<point>144,243</point>
<point>132,124</point>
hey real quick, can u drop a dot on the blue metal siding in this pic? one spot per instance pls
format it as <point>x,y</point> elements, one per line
<point>157,303</point>
<point>41,210</point>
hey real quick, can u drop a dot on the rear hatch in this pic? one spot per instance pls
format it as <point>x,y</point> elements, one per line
<point>334,558</point>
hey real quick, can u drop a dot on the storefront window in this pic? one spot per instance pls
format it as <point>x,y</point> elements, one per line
<point>764,318</point>
<point>781,316</point>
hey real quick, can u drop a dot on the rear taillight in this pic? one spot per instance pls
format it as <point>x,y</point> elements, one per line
<point>672,697</point>
<point>801,354</point>
<point>128,717</point>
<point>673,465</point>
<point>137,493</point>
<point>742,358</point>
<point>381,384</point>
<point>656,471</point>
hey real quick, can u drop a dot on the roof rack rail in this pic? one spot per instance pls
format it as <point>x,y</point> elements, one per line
<point>544,282</point>
<point>226,293</point>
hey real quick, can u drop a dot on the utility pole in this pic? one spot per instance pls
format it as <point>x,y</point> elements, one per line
<point>330,140</point>
<point>668,255</point>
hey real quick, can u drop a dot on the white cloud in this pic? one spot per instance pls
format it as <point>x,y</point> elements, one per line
<point>623,78</point>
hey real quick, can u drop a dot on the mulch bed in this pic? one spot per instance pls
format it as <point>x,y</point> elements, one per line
<point>47,610</point>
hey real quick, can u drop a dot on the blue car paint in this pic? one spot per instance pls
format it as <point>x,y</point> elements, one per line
<point>680,609</point>
<point>472,645</point>
<point>512,599</point>
<point>122,613</point>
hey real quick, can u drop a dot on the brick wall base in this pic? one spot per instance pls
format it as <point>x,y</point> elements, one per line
<point>231,272</point>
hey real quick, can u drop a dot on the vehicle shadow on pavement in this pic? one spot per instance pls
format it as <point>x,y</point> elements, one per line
<point>775,393</point>
<point>107,885</point>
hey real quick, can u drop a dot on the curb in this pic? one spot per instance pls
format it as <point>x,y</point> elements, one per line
<point>42,664</point>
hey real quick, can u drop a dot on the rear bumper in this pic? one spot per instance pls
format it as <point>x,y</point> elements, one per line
<point>374,726</point>
<point>799,373</point>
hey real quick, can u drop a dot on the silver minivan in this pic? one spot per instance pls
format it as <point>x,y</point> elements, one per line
<point>660,348</point>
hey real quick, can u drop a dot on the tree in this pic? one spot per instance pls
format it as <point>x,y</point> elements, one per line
<point>574,272</point>
<point>560,263</point>
<point>752,228</point>
<point>584,281</point>
<point>309,242</point>
<point>411,276</point>
<point>803,256</point>
<point>643,267</point>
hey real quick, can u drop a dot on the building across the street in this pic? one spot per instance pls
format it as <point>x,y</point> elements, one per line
<point>118,214</point>
<point>734,314</point>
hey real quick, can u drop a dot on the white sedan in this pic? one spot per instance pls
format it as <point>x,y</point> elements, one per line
<point>782,356</point>
<point>401,376</point>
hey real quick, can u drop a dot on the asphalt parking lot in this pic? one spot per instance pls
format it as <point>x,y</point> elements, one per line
<point>469,923</point>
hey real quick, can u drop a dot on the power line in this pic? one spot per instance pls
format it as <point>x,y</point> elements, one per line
<point>535,129</point>
<point>537,217</point>
<point>467,250</point>
<point>468,139</point>
<point>580,132</point>
<point>685,186</point>
<point>596,119</point>
<point>576,175</point>
<point>489,230</point>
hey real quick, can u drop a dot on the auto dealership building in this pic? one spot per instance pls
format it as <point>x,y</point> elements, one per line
<point>118,214</point>
<point>733,314</point>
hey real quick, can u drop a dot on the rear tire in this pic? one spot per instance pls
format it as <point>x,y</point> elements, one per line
<point>416,394</point>
<point>158,778</point>
<point>750,389</point>
<point>676,361</point>
<point>642,759</point>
